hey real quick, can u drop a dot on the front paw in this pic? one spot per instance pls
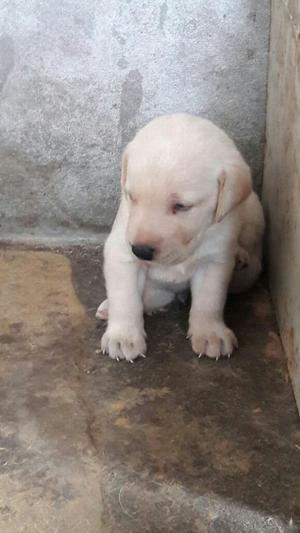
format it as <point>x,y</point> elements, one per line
<point>123,342</point>
<point>212,338</point>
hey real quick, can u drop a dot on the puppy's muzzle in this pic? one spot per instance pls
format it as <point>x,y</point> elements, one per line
<point>143,252</point>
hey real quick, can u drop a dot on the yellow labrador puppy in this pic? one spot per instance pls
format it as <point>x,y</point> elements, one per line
<point>188,218</point>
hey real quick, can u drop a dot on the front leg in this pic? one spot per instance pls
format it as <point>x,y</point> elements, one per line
<point>207,330</point>
<point>124,337</point>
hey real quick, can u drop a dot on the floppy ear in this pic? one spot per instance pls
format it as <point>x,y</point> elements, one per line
<point>124,166</point>
<point>235,185</point>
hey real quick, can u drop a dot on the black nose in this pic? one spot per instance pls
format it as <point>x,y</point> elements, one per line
<point>143,252</point>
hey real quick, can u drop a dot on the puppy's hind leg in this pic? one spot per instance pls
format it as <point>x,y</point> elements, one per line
<point>249,254</point>
<point>102,311</point>
<point>154,298</point>
<point>246,273</point>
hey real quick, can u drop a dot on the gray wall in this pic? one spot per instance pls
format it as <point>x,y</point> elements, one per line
<point>77,77</point>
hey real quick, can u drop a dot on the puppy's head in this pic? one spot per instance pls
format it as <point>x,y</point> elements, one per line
<point>178,181</point>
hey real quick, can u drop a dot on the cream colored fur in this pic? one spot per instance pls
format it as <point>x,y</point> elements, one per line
<point>210,243</point>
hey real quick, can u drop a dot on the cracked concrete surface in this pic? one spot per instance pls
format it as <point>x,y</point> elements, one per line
<point>168,444</point>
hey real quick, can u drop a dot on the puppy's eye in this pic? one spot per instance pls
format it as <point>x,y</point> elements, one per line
<point>178,207</point>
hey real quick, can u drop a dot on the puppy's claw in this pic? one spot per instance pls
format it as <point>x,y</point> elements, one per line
<point>143,355</point>
<point>118,359</point>
<point>200,355</point>
<point>131,361</point>
<point>229,355</point>
<point>217,358</point>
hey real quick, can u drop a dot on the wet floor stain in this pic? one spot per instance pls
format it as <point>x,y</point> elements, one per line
<point>171,443</point>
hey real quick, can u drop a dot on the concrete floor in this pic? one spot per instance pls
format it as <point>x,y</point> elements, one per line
<point>169,444</point>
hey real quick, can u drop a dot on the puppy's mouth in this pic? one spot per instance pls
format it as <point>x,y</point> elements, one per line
<point>171,258</point>
<point>177,256</point>
<point>147,255</point>
<point>156,258</point>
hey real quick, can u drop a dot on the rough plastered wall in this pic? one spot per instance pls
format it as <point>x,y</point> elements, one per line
<point>281,189</point>
<point>78,77</point>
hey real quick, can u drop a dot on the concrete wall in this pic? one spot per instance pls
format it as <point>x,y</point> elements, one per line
<point>78,77</point>
<point>281,191</point>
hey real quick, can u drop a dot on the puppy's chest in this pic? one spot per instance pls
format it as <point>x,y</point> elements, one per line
<point>173,275</point>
